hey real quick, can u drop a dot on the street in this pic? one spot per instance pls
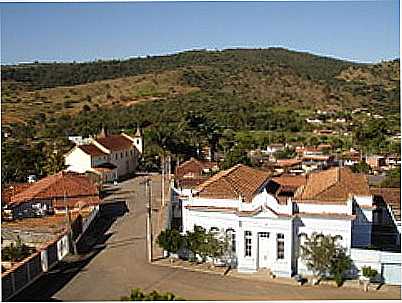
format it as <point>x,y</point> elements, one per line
<point>113,261</point>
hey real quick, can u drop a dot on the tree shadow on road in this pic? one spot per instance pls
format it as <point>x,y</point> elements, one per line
<point>91,243</point>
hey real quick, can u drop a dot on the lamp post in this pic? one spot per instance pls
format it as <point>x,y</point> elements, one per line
<point>148,192</point>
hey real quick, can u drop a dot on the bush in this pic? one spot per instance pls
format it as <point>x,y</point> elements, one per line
<point>170,240</point>
<point>138,295</point>
<point>17,252</point>
<point>339,264</point>
<point>369,272</point>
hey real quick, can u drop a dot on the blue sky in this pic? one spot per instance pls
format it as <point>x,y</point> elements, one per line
<point>364,31</point>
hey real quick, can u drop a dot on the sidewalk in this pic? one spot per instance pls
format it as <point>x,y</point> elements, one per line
<point>263,276</point>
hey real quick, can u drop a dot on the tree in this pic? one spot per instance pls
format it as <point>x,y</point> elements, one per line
<point>340,263</point>
<point>361,167</point>
<point>170,240</point>
<point>323,255</point>
<point>393,178</point>
<point>17,252</point>
<point>285,154</point>
<point>236,156</point>
<point>204,243</point>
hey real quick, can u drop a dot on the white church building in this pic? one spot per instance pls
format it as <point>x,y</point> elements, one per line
<point>110,156</point>
<point>265,216</point>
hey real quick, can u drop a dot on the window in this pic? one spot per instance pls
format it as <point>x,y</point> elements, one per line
<point>264,234</point>
<point>126,154</point>
<point>231,236</point>
<point>214,230</point>
<point>280,244</point>
<point>247,243</point>
<point>121,155</point>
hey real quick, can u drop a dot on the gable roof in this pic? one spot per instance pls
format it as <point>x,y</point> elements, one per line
<point>115,142</point>
<point>77,188</point>
<point>240,180</point>
<point>391,196</point>
<point>333,185</point>
<point>91,150</point>
<point>194,166</point>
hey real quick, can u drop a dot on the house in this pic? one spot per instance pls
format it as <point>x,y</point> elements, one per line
<point>264,216</point>
<point>193,172</point>
<point>376,162</point>
<point>273,148</point>
<point>188,175</point>
<point>289,166</point>
<point>110,156</point>
<point>387,218</point>
<point>54,194</point>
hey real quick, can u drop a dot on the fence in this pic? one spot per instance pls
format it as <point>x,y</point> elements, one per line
<point>387,264</point>
<point>27,271</point>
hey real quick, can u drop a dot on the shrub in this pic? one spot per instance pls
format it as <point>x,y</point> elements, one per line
<point>138,295</point>
<point>170,240</point>
<point>369,272</point>
<point>17,252</point>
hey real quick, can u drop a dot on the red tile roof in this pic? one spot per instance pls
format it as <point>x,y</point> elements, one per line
<point>239,180</point>
<point>92,150</point>
<point>11,190</point>
<point>287,162</point>
<point>190,182</point>
<point>76,188</point>
<point>115,142</point>
<point>333,185</point>
<point>290,180</point>
<point>194,167</point>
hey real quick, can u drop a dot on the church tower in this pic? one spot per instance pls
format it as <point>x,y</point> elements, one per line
<point>138,140</point>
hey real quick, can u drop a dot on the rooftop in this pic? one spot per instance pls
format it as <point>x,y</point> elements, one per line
<point>333,186</point>
<point>115,142</point>
<point>240,180</point>
<point>92,150</point>
<point>74,187</point>
<point>194,166</point>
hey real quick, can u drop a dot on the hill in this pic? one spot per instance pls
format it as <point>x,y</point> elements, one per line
<point>265,77</point>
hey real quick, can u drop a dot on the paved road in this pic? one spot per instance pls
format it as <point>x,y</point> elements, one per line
<point>117,263</point>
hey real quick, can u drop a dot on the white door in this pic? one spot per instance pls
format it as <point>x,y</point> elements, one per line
<point>263,249</point>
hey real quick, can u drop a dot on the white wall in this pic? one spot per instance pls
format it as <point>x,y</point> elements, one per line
<point>76,158</point>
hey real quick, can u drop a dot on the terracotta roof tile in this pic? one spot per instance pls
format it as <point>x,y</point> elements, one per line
<point>392,197</point>
<point>194,167</point>
<point>77,189</point>
<point>287,162</point>
<point>115,142</point>
<point>333,185</point>
<point>239,180</point>
<point>92,150</point>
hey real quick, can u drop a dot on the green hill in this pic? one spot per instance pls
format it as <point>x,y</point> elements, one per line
<point>228,80</point>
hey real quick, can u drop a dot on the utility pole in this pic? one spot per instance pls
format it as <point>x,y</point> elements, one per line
<point>69,229</point>
<point>163,179</point>
<point>148,192</point>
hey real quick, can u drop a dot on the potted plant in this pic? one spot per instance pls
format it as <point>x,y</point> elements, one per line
<point>368,274</point>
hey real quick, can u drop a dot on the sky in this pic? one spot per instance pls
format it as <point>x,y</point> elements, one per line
<point>362,31</point>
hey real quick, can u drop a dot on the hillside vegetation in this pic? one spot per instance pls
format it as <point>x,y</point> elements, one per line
<point>191,99</point>
<point>254,77</point>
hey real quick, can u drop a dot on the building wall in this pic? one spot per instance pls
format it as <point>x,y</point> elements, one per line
<point>78,159</point>
<point>332,227</point>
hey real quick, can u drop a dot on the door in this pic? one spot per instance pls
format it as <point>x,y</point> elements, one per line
<point>263,249</point>
<point>392,273</point>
